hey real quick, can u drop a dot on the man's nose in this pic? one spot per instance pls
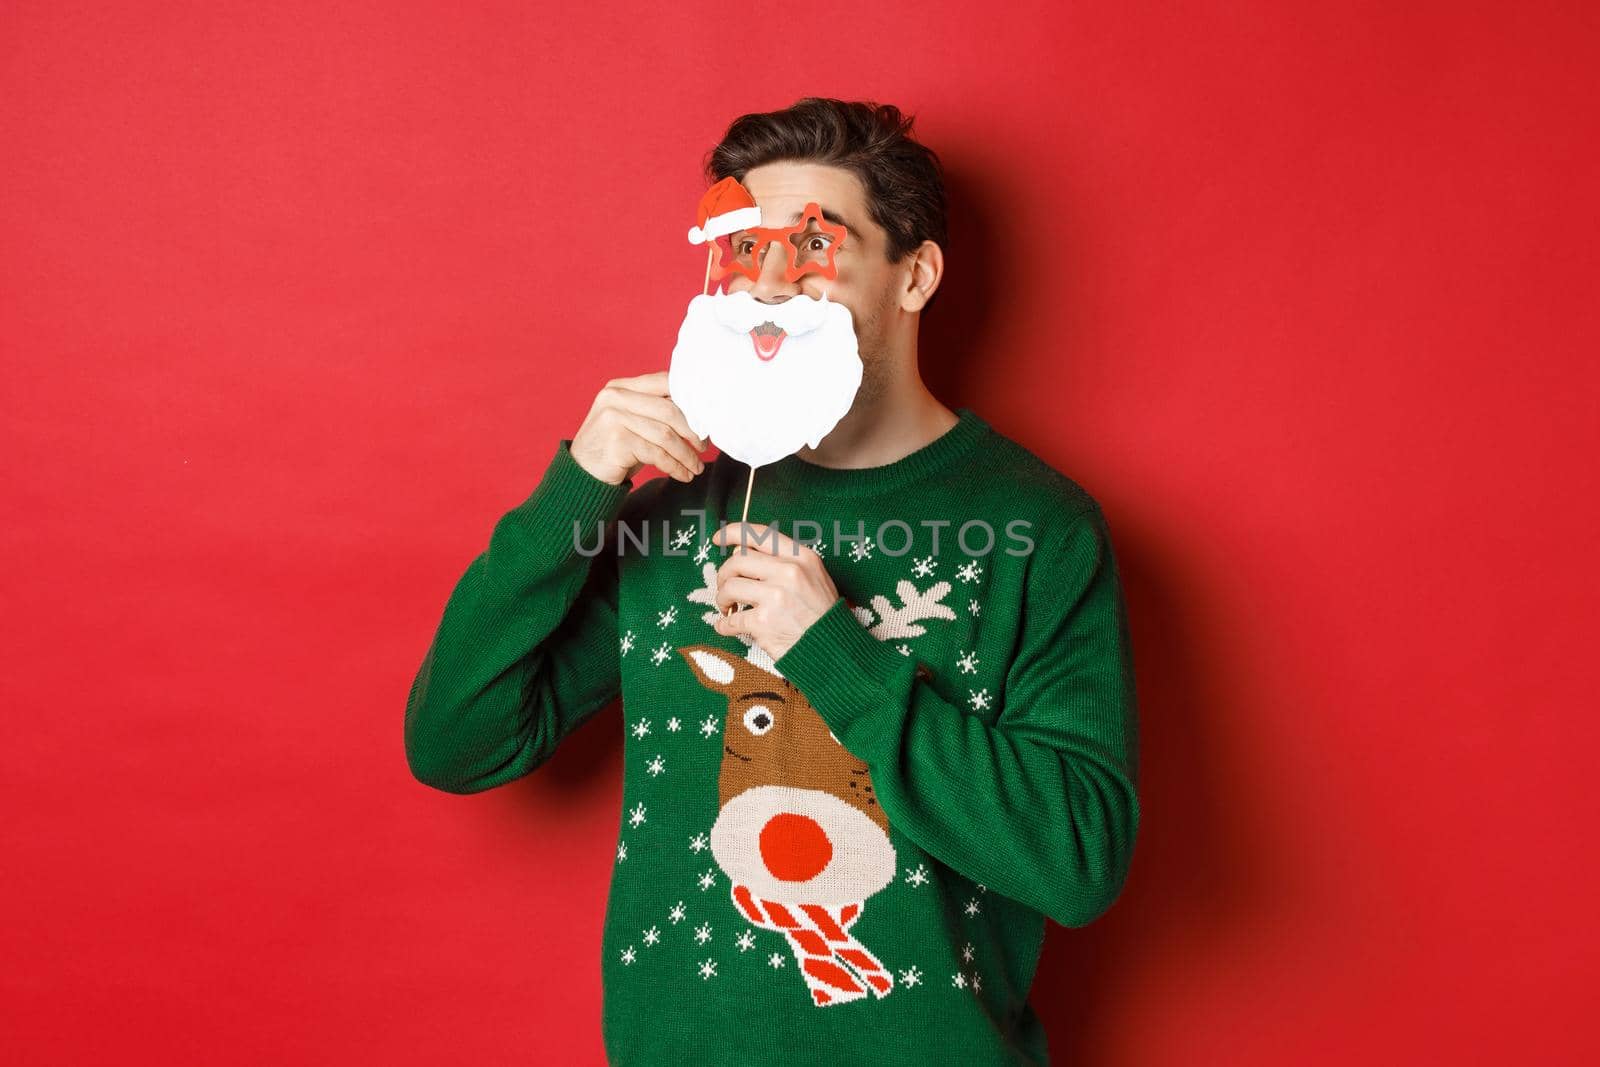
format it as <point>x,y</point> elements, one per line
<point>771,285</point>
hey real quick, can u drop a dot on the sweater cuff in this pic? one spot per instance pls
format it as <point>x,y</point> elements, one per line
<point>569,503</point>
<point>845,673</point>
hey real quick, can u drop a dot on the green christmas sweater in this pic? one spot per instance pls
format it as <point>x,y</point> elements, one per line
<point>845,854</point>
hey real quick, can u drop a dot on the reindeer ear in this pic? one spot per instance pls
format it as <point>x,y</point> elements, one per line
<point>713,666</point>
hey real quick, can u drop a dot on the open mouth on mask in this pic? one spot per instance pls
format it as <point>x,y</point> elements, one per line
<point>767,337</point>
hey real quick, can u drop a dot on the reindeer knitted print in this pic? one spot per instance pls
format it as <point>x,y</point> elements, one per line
<point>847,853</point>
<point>796,816</point>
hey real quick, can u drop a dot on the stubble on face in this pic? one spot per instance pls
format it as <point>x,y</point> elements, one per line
<point>875,368</point>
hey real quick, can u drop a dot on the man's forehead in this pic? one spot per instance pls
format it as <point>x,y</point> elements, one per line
<point>773,218</point>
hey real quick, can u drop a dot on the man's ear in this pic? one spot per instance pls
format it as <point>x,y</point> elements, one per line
<point>925,269</point>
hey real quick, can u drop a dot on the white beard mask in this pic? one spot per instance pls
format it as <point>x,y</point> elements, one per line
<point>761,380</point>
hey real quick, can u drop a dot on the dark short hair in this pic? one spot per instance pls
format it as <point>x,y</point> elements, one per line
<point>904,180</point>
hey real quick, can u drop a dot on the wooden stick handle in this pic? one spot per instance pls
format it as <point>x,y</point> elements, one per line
<point>744,517</point>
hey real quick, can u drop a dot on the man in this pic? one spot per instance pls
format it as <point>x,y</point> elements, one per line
<point>851,804</point>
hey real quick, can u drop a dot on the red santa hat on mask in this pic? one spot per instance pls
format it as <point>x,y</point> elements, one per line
<point>726,208</point>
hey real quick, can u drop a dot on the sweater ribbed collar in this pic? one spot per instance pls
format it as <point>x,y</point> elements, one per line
<point>802,477</point>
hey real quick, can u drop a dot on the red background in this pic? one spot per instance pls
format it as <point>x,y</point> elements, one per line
<point>295,302</point>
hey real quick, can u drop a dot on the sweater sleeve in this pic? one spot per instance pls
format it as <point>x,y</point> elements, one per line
<point>1041,805</point>
<point>527,646</point>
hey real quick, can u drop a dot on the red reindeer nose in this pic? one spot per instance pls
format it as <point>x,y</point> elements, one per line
<point>794,848</point>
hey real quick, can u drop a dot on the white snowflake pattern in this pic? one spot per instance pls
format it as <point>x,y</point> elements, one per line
<point>698,843</point>
<point>924,566</point>
<point>636,816</point>
<point>966,953</point>
<point>746,941</point>
<point>674,724</point>
<point>676,914</point>
<point>702,553</point>
<point>968,663</point>
<point>976,982</point>
<point>708,879</point>
<point>917,875</point>
<point>659,656</point>
<point>702,933</point>
<point>982,888</point>
<point>972,907</point>
<point>622,851</point>
<point>682,537</point>
<point>656,766</point>
<point>627,642</point>
<point>958,980</point>
<point>641,729</point>
<point>708,968</point>
<point>668,617</point>
<point>969,571</point>
<point>774,961</point>
<point>973,608</point>
<point>861,550</point>
<point>903,648</point>
<point>911,976</point>
<point>652,935</point>
<point>627,955</point>
<point>979,700</point>
<point>708,727</point>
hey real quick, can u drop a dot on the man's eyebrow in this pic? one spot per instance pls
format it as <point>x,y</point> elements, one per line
<point>831,216</point>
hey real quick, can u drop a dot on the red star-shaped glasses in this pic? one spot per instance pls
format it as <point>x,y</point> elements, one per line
<point>810,251</point>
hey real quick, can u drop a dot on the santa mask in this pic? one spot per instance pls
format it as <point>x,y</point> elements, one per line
<point>762,380</point>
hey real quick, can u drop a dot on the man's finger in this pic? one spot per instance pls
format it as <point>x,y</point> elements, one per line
<point>735,623</point>
<point>663,437</point>
<point>662,410</point>
<point>670,459</point>
<point>654,383</point>
<point>754,565</point>
<point>739,590</point>
<point>665,410</point>
<point>759,537</point>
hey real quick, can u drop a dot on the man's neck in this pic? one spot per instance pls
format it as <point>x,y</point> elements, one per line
<point>875,433</point>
